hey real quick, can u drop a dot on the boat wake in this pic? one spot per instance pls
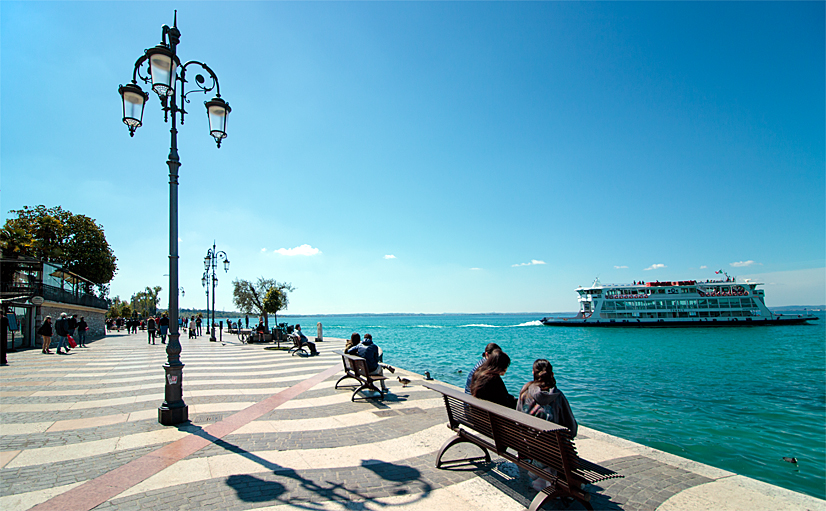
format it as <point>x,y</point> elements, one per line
<point>483,325</point>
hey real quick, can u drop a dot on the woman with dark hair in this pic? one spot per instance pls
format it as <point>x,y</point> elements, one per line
<point>542,399</point>
<point>45,331</point>
<point>487,381</point>
<point>355,340</point>
<point>488,350</point>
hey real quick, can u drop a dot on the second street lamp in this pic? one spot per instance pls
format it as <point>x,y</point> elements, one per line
<point>168,76</point>
<point>211,264</point>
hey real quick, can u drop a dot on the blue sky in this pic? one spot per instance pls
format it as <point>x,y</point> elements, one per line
<point>434,156</point>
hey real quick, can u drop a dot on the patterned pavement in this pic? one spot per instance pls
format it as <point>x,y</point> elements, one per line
<point>268,431</point>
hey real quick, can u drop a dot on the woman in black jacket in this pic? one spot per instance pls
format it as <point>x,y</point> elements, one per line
<point>45,331</point>
<point>487,381</point>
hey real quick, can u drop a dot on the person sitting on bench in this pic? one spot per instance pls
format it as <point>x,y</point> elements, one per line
<point>261,330</point>
<point>369,352</point>
<point>305,341</point>
<point>488,350</point>
<point>542,399</point>
<point>487,381</point>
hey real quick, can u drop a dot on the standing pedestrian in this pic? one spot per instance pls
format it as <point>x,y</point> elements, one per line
<point>198,325</point>
<point>73,326</point>
<point>82,327</point>
<point>62,330</point>
<point>45,331</point>
<point>164,324</point>
<point>150,329</point>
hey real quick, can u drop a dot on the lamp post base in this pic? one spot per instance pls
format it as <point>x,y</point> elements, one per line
<point>173,416</point>
<point>173,410</point>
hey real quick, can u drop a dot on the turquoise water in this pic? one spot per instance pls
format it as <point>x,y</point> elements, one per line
<point>735,398</point>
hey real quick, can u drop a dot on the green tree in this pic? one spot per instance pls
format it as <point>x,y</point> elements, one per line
<point>125,310</point>
<point>264,297</point>
<point>75,242</point>
<point>115,307</point>
<point>146,302</point>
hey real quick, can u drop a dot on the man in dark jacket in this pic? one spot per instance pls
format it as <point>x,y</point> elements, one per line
<point>369,352</point>
<point>61,328</point>
<point>73,325</point>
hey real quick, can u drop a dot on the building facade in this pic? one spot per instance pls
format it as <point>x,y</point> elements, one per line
<point>31,290</point>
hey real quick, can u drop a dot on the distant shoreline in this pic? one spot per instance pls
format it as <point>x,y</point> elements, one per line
<point>233,314</point>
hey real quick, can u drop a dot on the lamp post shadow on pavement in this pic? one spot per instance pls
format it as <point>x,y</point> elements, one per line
<point>165,71</point>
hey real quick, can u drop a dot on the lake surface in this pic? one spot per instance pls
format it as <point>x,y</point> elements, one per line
<point>737,398</point>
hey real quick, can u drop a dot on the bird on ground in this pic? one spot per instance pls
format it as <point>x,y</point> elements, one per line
<point>427,375</point>
<point>404,381</point>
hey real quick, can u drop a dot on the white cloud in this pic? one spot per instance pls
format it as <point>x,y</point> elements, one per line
<point>655,267</point>
<point>620,267</point>
<point>743,264</point>
<point>476,269</point>
<point>533,261</point>
<point>389,256</point>
<point>303,250</point>
<point>703,267</point>
<point>263,250</point>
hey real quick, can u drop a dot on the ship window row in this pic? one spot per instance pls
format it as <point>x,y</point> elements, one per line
<point>703,303</point>
<point>680,314</point>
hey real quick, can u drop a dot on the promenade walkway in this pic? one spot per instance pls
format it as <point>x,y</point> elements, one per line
<point>269,431</point>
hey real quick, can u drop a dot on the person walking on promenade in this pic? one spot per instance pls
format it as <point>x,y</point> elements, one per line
<point>62,330</point>
<point>369,352</point>
<point>82,327</point>
<point>488,350</point>
<point>164,324</point>
<point>45,332</point>
<point>73,326</point>
<point>305,341</point>
<point>198,325</point>
<point>247,320</point>
<point>150,328</point>
<point>487,381</point>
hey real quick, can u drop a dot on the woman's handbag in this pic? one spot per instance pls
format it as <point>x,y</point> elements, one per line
<point>72,343</point>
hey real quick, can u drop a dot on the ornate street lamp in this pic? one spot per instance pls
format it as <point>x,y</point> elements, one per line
<point>211,264</point>
<point>167,76</point>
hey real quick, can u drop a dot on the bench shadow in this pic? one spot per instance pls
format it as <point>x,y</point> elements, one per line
<point>254,489</point>
<point>516,483</point>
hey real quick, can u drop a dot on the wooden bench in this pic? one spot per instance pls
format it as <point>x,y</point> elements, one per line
<point>356,368</point>
<point>520,438</point>
<point>298,346</point>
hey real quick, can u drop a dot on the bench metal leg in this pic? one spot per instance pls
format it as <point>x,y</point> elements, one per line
<point>366,386</point>
<point>553,492</point>
<point>344,378</point>
<point>453,441</point>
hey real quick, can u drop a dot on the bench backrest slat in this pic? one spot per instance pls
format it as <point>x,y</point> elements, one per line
<point>357,365</point>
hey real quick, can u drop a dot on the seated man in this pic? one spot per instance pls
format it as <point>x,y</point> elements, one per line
<point>305,341</point>
<point>369,352</point>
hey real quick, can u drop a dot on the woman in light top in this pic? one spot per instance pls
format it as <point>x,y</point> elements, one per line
<point>542,399</point>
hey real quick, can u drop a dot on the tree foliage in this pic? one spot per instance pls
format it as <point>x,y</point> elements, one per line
<point>146,302</point>
<point>264,297</point>
<point>55,235</point>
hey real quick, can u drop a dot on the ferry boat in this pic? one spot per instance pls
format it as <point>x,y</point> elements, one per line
<point>725,302</point>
